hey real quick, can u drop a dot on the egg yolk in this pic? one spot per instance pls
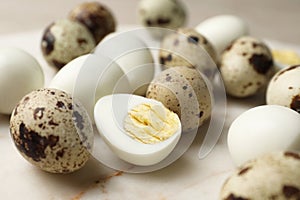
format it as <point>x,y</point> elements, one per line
<point>151,123</point>
<point>287,57</point>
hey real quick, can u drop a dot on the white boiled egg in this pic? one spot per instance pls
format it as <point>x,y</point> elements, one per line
<point>20,73</point>
<point>89,78</point>
<point>261,130</point>
<point>221,30</point>
<point>128,137</point>
<point>133,56</point>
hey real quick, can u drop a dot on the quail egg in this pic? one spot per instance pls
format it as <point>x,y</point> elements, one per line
<point>161,13</point>
<point>96,17</point>
<point>246,67</point>
<point>284,88</point>
<point>186,47</point>
<point>261,130</point>
<point>65,40</point>
<point>270,176</point>
<point>90,77</point>
<point>52,131</point>
<point>133,56</point>
<point>138,130</point>
<point>184,91</point>
<point>20,74</point>
<point>221,30</point>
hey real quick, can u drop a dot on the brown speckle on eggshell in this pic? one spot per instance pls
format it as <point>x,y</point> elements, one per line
<point>45,133</point>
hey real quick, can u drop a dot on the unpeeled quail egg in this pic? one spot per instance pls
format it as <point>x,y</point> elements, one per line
<point>246,67</point>
<point>20,74</point>
<point>184,91</point>
<point>284,88</point>
<point>52,131</point>
<point>161,13</point>
<point>65,40</point>
<point>261,130</point>
<point>186,47</point>
<point>138,130</point>
<point>90,77</point>
<point>270,176</point>
<point>96,17</point>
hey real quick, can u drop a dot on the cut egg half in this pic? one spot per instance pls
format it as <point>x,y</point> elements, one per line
<point>111,117</point>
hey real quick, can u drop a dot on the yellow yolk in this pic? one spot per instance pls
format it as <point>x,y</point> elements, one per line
<point>151,123</point>
<point>287,57</point>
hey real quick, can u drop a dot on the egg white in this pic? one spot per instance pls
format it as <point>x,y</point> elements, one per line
<point>109,114</point>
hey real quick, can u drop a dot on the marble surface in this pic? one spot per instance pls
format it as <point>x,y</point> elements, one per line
<point>187,178</point>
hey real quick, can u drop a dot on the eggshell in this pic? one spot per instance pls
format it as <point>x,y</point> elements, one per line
<point>221,30</point>
<point>261,130</point>
<point>52,131</point>
<point>284,88</point>
<point>20,74</point>
<point>186,47</point>
<point>89,78</point>
<point>184,91</point>
<point>96,17</point>
<point>133,56</point>
<point>64,40</point>
<point>246,67</point>
<point>271,176</point>
<point>110,112</point>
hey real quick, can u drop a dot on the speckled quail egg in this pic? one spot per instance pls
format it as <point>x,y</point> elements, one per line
<point>96,17</point>
<point>271,176</point>
<point>65,40</point>
<point>161,13</point>
<point>52,131</point>
<point>246,67</point>
<point>261,130</point>
<point>20,73</point>
<point>221,30</point>
<point>186,47</point>
<point>284,88</point>
<point>184,91</point>
<point>138,130</point>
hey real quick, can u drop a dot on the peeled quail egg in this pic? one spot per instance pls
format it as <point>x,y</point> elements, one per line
<point>221,30</point>
<point>161,13</point>
<point>261,130</point>
<point>65,40</point>
<point>133,56</point>
<point>184,91</point>
<point>186,47</point>
<point>96,17</point>
<point>52,131</point>
<point>284,88</point>
<point>246,67</point>
<point>89,78</point>
<point>140,131</point>
<point>20,74</point>
<point>271,176</point>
